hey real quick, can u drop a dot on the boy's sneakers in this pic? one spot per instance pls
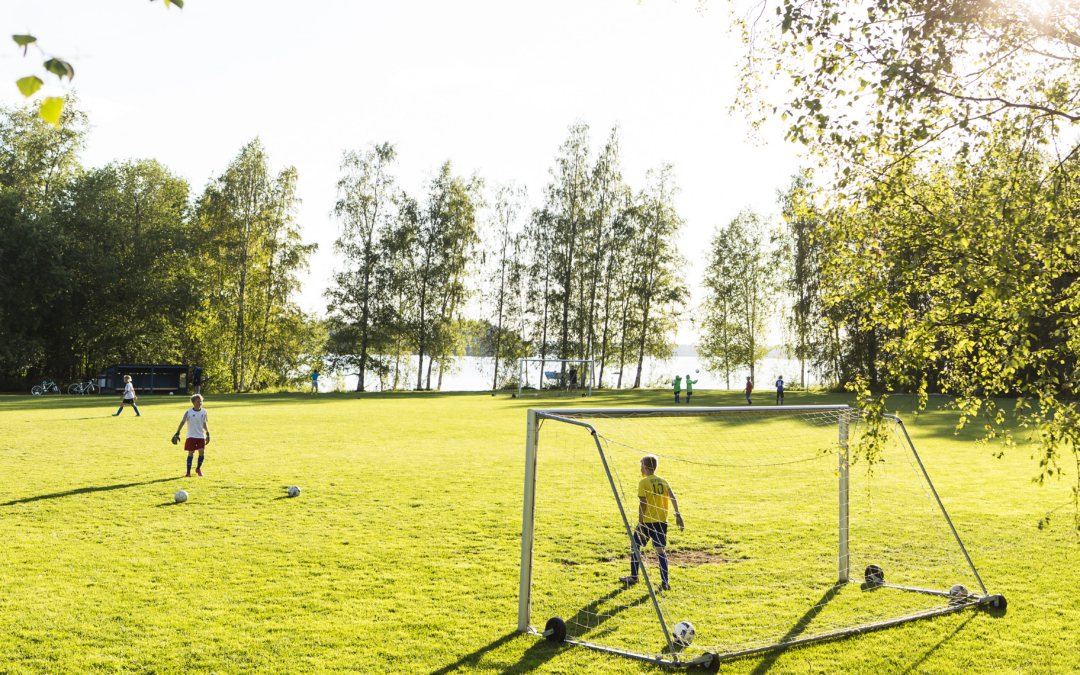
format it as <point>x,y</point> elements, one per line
<point>199,471</point>
<point>188,475</point>
<point>629,581</point>
<point>665,586</point>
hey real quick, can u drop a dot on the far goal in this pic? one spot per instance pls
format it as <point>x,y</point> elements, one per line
<point>571,377</point>
<point>790,534</point>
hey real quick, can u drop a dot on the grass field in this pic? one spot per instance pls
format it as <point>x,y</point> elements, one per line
<point>402,553</point>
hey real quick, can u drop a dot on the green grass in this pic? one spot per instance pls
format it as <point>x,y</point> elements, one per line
<point>402,553</point>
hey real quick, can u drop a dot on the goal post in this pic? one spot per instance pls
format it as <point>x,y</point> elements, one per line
<point>567,375</point>
<point>790,537</point>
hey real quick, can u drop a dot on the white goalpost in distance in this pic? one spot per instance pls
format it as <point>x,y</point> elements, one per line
<point>790,536</point>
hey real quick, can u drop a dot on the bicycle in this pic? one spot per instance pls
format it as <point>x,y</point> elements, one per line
<point>82,388</point>
<point>45,387</point>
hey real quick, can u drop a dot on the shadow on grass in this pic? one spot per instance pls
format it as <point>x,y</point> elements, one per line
<point>86,490</point>
<point>543,651</point>
<point>913,668</point>
<point>800,626</point>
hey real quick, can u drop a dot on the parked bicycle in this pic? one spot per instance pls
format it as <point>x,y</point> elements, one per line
<point>45,387</point>
<point>82,388</point>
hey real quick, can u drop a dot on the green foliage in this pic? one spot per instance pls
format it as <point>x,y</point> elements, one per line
<point>29,85</point>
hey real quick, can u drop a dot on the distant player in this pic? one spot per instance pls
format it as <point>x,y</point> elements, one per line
<point>749,390</point>
<point>198,433</point>
<point>655,501</point>
<point>573,378</point>
<point>689,388</point>
<point>678,386</point>
<point>315,382</point>
<point>129,397</point>
<point>196,379</point>
<point>780,391</point>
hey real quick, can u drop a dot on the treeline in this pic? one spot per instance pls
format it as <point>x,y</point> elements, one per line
<point>124,264</point>
<point>590,273</point>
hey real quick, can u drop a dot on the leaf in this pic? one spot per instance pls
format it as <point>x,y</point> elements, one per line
<point>29,85</point>
<point>51,108</point>
<point>60,68</point>
<point>178,3</point>
<point>24,40</point>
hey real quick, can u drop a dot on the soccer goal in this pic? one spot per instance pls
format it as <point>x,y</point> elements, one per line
<point>565,376</point>
<point>791,533</point>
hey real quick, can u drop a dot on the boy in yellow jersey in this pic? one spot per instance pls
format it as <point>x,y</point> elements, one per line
<point>655,501</point>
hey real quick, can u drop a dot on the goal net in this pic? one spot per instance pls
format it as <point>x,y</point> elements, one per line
<point>786,540</point>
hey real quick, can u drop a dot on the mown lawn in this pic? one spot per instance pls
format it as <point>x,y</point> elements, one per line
<point>402,553</point>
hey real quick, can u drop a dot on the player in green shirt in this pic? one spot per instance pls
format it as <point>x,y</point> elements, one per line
<point>678,386</point>
<point>689,388</point>
<point>655,501</point>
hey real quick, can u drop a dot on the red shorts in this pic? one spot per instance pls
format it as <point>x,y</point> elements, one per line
<point>193,444</point>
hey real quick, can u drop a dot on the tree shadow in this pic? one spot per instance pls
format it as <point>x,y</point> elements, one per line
<point>86,490</point>
<point>800,626</point>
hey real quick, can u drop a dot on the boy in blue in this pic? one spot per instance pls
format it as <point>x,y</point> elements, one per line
<point>315,382</point>
<point>655,500</point>
<point>780,391</point>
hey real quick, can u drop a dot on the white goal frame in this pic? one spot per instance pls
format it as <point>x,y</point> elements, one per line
<point>711,661</point>
<point>523,364</point>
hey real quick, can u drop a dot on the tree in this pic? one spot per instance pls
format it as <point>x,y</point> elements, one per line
<point>438,239</point>
<point>365,203</point>
<point>246,219</point>
<point>741,266</point>
<point>658,287</point>
<point>505,279</point>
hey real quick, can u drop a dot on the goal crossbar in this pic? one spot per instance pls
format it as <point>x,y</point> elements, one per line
<point>581,417</point>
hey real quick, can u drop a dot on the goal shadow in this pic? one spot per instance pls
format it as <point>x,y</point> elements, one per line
<point>798,629</point>
<point>85,490</point>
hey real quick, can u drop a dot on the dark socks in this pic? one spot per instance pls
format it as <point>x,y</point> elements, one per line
<point>663,567</point>
<point>201,458</point>
<point>189,463</point>
<point>136,408</point>
<point>120,410</point>
<point>633,563</point>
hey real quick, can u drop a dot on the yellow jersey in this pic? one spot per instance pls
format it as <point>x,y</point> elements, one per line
<point>657,494</point>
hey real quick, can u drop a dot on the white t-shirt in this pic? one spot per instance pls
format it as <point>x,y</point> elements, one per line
<point>129,391</point>
<point>195,420</point>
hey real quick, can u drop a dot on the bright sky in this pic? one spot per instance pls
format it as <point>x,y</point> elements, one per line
<point>492,86</point>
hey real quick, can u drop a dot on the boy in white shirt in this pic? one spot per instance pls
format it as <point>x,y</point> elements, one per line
<point>129,397</point>
<point>196,428</point>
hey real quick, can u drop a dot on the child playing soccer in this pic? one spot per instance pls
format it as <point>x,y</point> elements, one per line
<point>129,397</point>
<point>780,390</point>
<point>678,386</point>
<point>196,426</point>
<point>749,390</point>
<point>689,388</point>
<point>655,500</point>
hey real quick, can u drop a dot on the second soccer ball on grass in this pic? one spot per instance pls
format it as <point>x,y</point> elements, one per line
<point>294,491</point>
<point>683,633</point>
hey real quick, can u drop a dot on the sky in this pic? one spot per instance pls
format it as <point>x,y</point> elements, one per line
<point>490,86</point>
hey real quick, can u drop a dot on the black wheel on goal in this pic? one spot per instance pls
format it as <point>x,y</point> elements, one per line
<point>874,575</point>
<point>555,629</point>
<point>714,665</point>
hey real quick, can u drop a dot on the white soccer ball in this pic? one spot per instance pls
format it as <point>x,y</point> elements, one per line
<point>697,371</point>
<point>171,393</point>
<point>958,592</point>
<point>181,496</point>
<point>683,633</point>
<point>294,491</point>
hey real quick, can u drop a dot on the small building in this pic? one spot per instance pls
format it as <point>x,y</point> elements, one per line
<point>147,379</point>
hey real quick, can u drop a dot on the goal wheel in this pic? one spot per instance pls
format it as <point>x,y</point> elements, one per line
<point>874,575</point>
<point>555,629</point>
<point>996,603</point>
<point>714,664</point>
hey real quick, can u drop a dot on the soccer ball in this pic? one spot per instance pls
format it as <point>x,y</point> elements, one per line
<point>294,491</point>
<point>697,371</point>
<point>180,496</point>
<point>958,592</point>
<point>683,633</point>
